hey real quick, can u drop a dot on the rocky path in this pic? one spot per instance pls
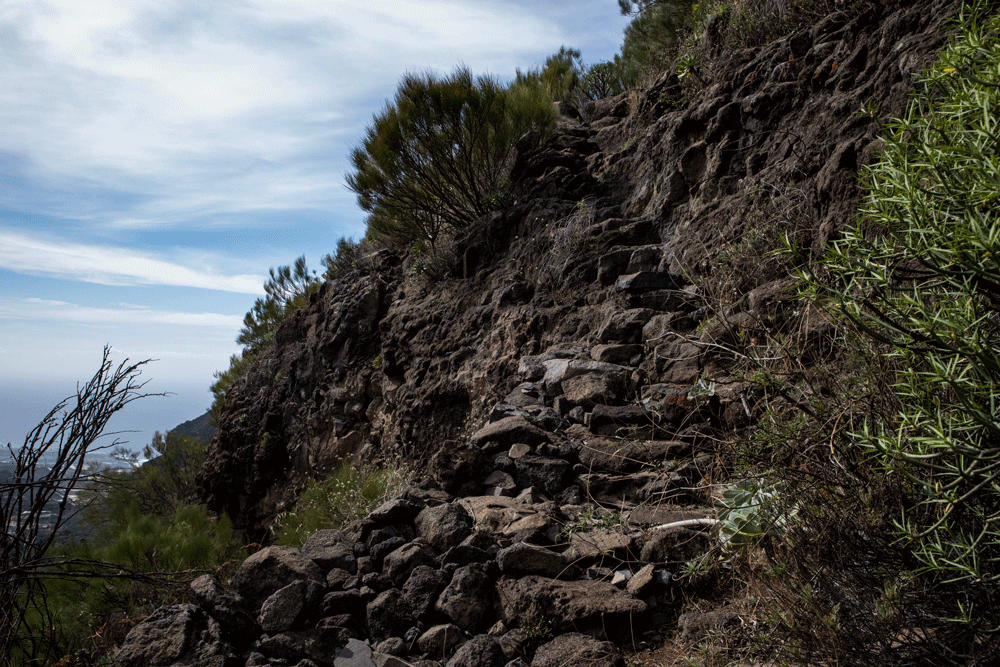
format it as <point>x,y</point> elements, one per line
<point>567,552</point>
<point>550,534</point>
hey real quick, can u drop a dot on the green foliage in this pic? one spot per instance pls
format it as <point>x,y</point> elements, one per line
<point>607,79</point>
<point>750,510</point>
<point>920,273</point>
<point>239,364</point>
<point>654,33</point>
<point>565,78</point>
<point>347,494</point>
<point>287,290</point>
<point>349,258</point>
<point>433,157</point>
<point>161,485</point>
<point>146,518</point>
<point>144,524</point>
<point>540,629</point>
<point>590,519</point>
<point>559,78</point>
<point>188,539</point>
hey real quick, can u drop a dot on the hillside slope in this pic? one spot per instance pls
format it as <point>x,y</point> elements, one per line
<point>579,384</point>
<point>639,236</point>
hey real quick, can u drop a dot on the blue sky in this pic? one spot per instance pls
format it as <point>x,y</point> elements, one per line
<point>156,158</point>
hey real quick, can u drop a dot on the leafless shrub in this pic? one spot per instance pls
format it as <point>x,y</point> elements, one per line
<point>565,240</point>
<point>35,504</point>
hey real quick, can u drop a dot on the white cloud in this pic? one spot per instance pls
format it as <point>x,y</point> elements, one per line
<point>107,265</point>
<point>39,310</point>
<point>202,109</point>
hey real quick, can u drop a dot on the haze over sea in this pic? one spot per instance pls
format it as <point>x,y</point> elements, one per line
<point>21,409</point>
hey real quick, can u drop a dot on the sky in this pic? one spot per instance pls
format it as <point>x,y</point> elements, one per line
<point>157,158</point>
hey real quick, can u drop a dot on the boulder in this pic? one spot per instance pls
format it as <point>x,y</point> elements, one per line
<point>440,641</point>
<point>677,362</point>
<point>581,605</point>
<point>577,649</point>
<point>626,355</point>
<point>507,432</point>
<point>621,416</point>
<point>444,526</point>
<point>271,569</point>
<point>642,581</point>
<point>626,455</point>
<point>331,548</point>
<point>646,281</point>
<point>465,554</point>
<point>480,651</point>
<point>388,615</point>
<point>395,511</point>
<point>625,327</point>
<point>355,653</point>
<point>547,473</point>
<point>280,611</point>
<point>422,589</point>
<point>181,634</point>
<point>601,542</point>
<point>558,371</point>
<point>237,624</point>
<point>529,559</point>
<point>317,645</point>
<point>468,599</point>
<point>595,389</point>
<point>506,516</point>
<point>675,545</point>
<point>400,563</point>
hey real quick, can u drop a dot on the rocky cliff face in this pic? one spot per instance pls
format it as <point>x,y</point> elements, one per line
<point>638,238</point>
<point>559,388</point>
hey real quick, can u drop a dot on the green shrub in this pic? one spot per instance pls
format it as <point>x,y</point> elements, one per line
<point>749,511</point>
<point>565,78</point>
<point>435,158</point>
<point>654,34</point>
<point>607,79</point>
<point>164,482</point>
<point>559,78</point>
<point>287,290</point>
<point>239,364</point>
<point>148,535</point>
<point>350,257</point>
<point>920,273</point>
<point>347,494</point>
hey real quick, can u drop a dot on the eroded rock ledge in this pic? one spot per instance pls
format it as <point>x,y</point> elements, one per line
<point>526,572</point>
<point>550,381</point>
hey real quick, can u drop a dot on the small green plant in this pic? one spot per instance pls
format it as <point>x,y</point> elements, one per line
<point>539,629</point>
<point>702,390</point>
<point>697,568</point>
<point>349,493</point>
<point>870,108</point>
<point>377,362</point>
<point>749,511</point>
<point>688,66</point>
<point>590,519</point>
